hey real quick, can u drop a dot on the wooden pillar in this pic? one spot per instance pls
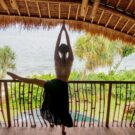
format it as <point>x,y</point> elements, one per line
<point>108,105</point>
<point>95,8</point>
<point>7,104</point>
<point>84,7</point>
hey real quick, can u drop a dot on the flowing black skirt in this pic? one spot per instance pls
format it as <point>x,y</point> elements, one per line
<point>55,104</point>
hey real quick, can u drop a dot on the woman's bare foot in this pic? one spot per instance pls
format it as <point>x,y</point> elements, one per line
<point>63,130</point>
<point>12,75</point>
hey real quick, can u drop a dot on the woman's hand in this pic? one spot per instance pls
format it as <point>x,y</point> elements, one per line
<point>12,75</point>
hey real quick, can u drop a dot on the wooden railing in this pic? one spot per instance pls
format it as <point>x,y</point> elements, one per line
<point>92,103</point>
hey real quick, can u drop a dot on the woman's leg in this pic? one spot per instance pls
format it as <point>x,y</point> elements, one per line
<point>63,130</point>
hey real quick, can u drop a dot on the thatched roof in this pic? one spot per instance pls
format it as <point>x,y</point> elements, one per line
<point>112,18</point>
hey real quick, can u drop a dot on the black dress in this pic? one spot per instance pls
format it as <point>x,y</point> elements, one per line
<point>55,104</point>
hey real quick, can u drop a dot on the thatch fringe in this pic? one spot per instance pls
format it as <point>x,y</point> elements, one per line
<point>33,22</point>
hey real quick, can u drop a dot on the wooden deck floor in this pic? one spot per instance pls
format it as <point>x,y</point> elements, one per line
<point>71,131</point>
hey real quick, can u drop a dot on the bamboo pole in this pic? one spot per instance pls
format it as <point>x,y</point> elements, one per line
<point>84,7</point>
<point>95,8</point>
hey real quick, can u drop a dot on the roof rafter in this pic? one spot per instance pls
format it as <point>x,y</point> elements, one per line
<point>129,4</point>
<point>100,17</point>
<point>125,25</point>
<point>130,28</point>
<point>95,8</point>
<point>69,10</point>
<point>59,10</point>
<point>109,20</point>
<point>84,7</point>
<point>117,22</point>
<point>4,6</point>
<point>27,8</point>
<point>118,3</point>
<point>86,14</point>
<point>49,13</point>
<point>15,6</point>
<point>76,17</point>
<point>39,12</point>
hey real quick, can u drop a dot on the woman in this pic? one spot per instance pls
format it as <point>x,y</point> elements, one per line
<point>55,107</point>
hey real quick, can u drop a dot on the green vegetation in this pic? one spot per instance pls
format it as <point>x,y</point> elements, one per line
<point>124,75</point>
<point>7,60</point>
<point>28,96</point>
<point>99,51</point>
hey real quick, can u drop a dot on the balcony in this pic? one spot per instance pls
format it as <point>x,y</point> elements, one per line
<point>97,107</point>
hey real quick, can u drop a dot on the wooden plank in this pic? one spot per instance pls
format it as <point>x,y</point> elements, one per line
<point>100,17</point>
<point>84,7</point>
<point>86,14</point>
<point>69,131</point>
<point>49,13</point>
<point>39,12</point>
<point>69,10</point>
<point>4,6</point>
<point>7,104</point>
<point>129,4</point>
<point>108,105</point>
<point>59,11</point>
<point>27,8</point>
<point>131,28</point>
<point>109,20</point>
<point>76,17</point>
<point>117,22</point>
<point>95,8</point>
<point>125,25</point>
<point>118,3</point>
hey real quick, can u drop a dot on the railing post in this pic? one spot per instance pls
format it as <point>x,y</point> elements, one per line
<point>7,104</point>
<point>108,105</point>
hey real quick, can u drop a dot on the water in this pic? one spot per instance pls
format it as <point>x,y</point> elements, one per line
<point>35,50</point>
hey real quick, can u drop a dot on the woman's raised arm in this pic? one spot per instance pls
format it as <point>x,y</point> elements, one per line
<point>56,55</point>
<point>71,57</point>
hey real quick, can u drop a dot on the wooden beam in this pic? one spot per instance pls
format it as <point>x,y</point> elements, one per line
<point>107,2</point>
<point>118,3</point>
<point>100,17</point>
<point>125,25</point>
<point>69,10</point>
<point>76,17</point>
<point>134,12</point>
<point>131,28</point>
<point>4,6</point>
<point>109,20</point>
<point>27,8</point>
<point>117,22</point>
<point>84,7</point>
<point>49,13</point>
<point>15,6</point>
<point>59,10</point>
<point>129,4</point>
<point>86,13</point>
<point>39,12</point>
<point>95,8</point>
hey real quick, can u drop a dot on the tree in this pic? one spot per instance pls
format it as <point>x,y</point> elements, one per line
<point>95,51</point>
<point>125,51</point>
<point>99,51</point>
<point>7,60</point>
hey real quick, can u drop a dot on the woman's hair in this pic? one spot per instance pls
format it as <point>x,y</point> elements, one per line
<point>63,48</point>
